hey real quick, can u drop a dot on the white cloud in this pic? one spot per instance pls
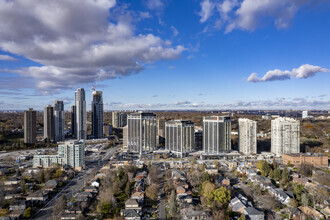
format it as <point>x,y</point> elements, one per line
<point>155,4</point>
<point>7,58</point>
<point>304,71</point>
<point>75,42</point>
<point>249,14</point>
<point>175,31</point>
<point>206,10</point>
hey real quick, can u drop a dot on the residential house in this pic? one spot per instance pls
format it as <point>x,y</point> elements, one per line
<point>211,170</point>
<point>250,173</point>
<point>238,205</point>
<point>180,190</point>
<point>130,214</point>
<point>132,204</point>
<point>18,205</point>
<point>53,183</point>
<point>224,181</point>
<point>190,213</point>
<point>139,196</point>
<point>38,196</point>
<point>11,181</point>
<point>253,214</point>
<point>91,189</point>
<point>177,174</point>
<point>280,195</point>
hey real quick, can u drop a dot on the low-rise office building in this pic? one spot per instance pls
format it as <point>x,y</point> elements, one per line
<point>317,160</point>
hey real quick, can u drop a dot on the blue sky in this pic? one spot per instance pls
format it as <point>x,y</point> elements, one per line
<point>166,54</point>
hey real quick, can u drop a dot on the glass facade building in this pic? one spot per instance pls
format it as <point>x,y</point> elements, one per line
<point>216,134</point>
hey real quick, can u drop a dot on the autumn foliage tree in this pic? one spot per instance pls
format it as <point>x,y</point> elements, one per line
<point>152,191</point>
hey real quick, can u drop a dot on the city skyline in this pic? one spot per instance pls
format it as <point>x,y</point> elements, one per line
<point>227,54</point>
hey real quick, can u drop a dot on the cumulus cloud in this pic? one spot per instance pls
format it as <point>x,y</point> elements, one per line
<point>249,14</point>
<point>7,58</point>
<point>302,72</point>
<point>75,43</point>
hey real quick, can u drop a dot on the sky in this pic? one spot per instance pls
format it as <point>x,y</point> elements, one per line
<point>166,54</point>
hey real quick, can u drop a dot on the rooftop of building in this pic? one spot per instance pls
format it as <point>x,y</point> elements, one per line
<point>217,118</point>
<point>179,122</point>
<point>306,155</point>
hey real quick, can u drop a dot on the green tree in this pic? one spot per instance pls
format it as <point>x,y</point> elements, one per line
<point>277,174</point>
<point>298,190</point>
<point>221,196</point>
<point>264,167</point>
<point>304,199</point>
<point>103,208</point>
<point>271,174</point>
<point>208,190</point>
<point>285,175</point>
<point>27,213</point>
<point>242,217</point>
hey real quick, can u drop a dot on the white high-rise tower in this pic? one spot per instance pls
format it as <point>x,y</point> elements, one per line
<point>81,114</point>
<point>285,136</point>
<point>247,136</point>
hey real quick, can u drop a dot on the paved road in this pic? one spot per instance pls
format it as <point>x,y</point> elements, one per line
<point>73,187</point>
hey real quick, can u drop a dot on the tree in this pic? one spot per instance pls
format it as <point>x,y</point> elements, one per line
<point>304,199</point>
<point>298,190</point>
<point>152,191</point>
<point>277,174</point>
<point>285,175</point>
<point>27,213</point>
<point>306,170</point>
<point>271,174</point>
<point>242,217</point>
<point>128,188</point>
<point>264,167</point>
<point>104,208</point>
<point>292,205</point>
<point>221,196</point>
<point>172,205</point>
<point>207,191</point>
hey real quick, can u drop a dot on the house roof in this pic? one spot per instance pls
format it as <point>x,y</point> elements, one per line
<point>131,202</point>
<point>129,213</point>
<point>138,194</point>
<point>253,211</point>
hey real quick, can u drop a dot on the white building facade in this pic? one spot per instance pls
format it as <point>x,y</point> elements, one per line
<point>247,136</point>
<point>285,134</point>
<point>81,115</point>
<point>70,153</point>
